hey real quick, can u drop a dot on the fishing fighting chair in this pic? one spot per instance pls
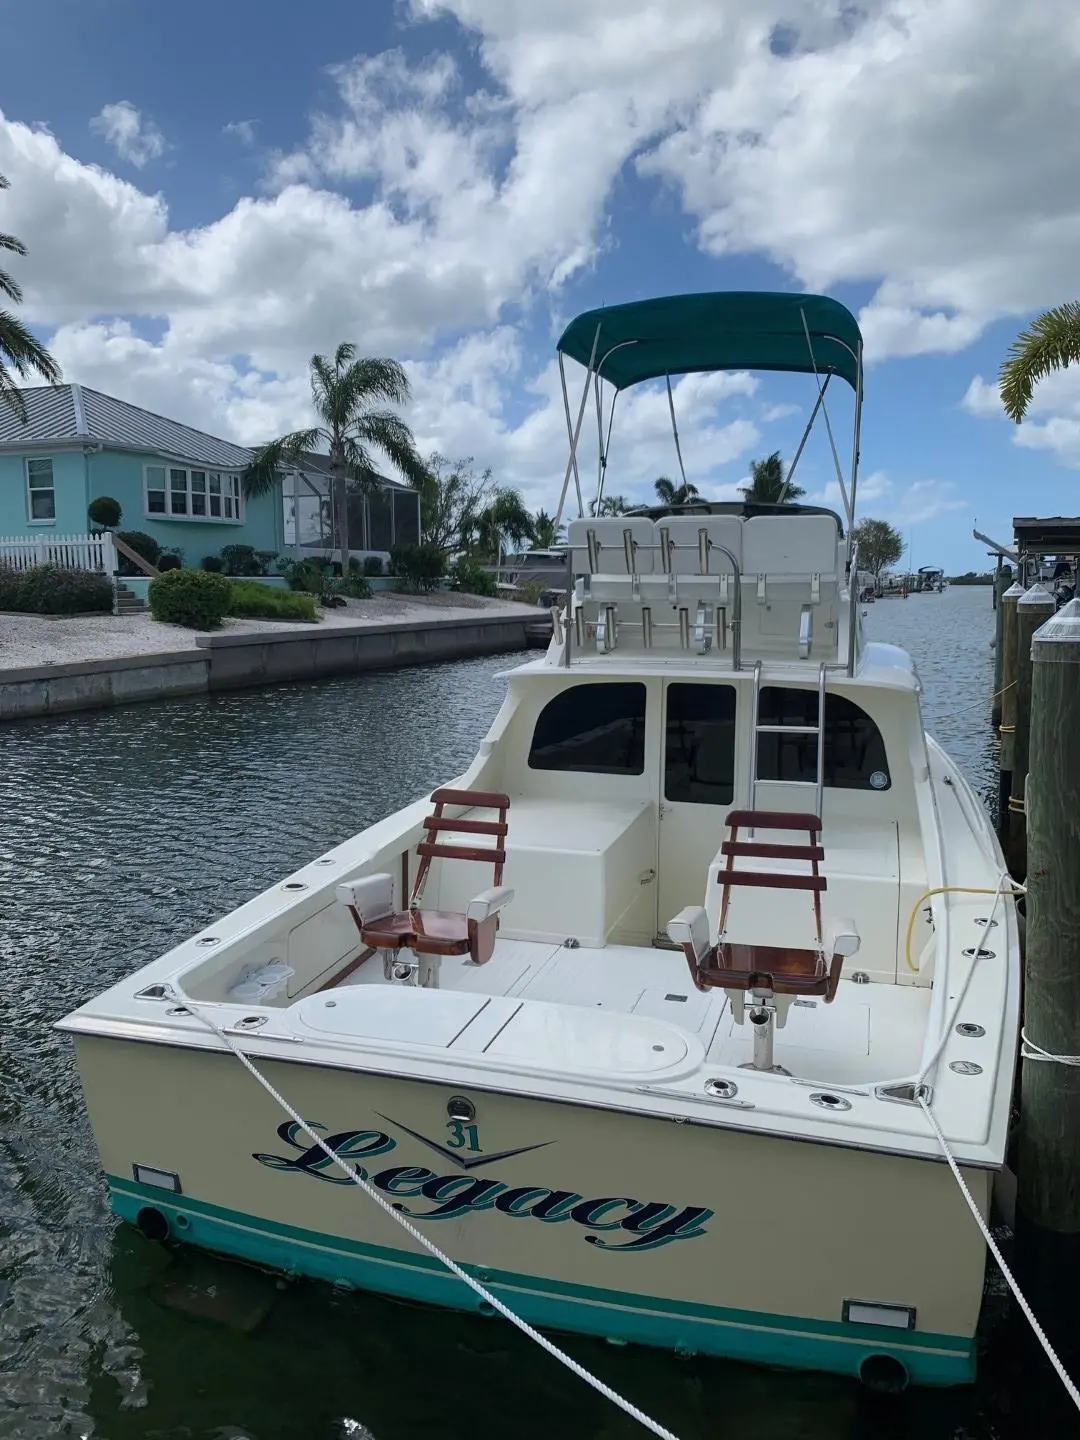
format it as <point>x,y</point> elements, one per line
<point>773,975</point>
<point>434,933</point>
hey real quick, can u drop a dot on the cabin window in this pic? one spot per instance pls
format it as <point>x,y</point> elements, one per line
<point>699,755</point>
<point>595,728</point>
<point>855,756</point>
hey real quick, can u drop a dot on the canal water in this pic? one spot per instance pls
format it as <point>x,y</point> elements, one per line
<point>121,832</point>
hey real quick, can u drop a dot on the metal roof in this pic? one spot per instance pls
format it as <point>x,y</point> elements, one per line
<point>316,464</point>
<point>69,414</point>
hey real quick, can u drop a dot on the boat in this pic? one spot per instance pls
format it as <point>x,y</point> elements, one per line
<point>651,1019</point>
<point>929,580</point>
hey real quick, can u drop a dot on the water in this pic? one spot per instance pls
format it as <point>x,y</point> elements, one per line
<point>122,832</point>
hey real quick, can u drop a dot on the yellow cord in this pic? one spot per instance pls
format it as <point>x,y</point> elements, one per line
<point>947,890</point>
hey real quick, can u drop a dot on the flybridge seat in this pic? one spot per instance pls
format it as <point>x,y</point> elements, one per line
<point>430,934</point>
<point>773,975</point>
<point>672,583</point>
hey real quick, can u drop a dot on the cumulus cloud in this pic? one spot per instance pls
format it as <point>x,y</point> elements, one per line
<point>128,132</point>
<point>1053,418</point>
<point>900,144</point>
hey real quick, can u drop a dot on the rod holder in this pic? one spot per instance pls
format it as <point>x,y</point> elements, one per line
<point>703,550</point>
<point>628,551</point>
<point>665,549</point>
<point>594,551</point>
<point>684,627</point>
<point>646,627</point>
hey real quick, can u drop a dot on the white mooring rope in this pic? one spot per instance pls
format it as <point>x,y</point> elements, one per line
<point>429,1245</point>
<point>921,1097</point>
<point>1040,1334</point>
<point>1030,1051</point>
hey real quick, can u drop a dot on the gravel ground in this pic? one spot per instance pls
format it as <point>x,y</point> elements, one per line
<point>27,640</point>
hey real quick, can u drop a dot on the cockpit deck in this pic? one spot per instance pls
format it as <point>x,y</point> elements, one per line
<point>869,1034</point>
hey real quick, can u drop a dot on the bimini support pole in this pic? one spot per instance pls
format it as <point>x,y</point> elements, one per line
<point>675,429</point>
<point>849,512</point>
<point>855,441</point>
<point>805,436</point>
<point>574,433</point>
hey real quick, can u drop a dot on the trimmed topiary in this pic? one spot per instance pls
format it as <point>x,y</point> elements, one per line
<point>421,567</point>
<point>104,511</point>
<point>168,561</point>
<point>213,563</point>
<point>195,598</point>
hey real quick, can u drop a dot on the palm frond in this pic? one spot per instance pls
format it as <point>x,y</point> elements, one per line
<point>11,397</point>
<point>323,379</point>
<point>385,431</point>
<point>21,349</point>
<point>375,378</point>
<point>10,287</point>
<point>1051,342</point>
<point>344,355</point>
<point>362,474</point>
<point>12,243</point>
<point>4,182</point>
<point>286,453</point>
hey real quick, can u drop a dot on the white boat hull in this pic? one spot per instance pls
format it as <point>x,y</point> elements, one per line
<point>679,1235</point>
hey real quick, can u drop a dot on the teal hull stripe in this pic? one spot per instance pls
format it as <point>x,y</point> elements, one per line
<point>669,1324</point>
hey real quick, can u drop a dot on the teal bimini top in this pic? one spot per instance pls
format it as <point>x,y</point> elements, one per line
<point>717,330</point>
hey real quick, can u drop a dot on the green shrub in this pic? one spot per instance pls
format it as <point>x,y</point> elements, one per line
<point>358,586</point>
<point>194,598</point>
<point>253,601</point>
<point>421,567</point>
<point>168,560</point>
<point>373,565</point>
<point>55,590</point>
<point>469,576</point>
<point>143,544</point>
<point>242,560</point>
<point>10,587</point>
<point>213,563</point>
<point>104,511</point>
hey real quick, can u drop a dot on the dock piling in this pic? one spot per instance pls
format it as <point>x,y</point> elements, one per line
<point>1007,696</point>
<point>1048,1198</point>
<point>1032,609</point>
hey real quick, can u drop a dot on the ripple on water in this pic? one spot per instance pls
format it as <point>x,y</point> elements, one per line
<point>121,833</point>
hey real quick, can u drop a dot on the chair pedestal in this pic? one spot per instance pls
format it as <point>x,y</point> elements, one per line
<point>405,967</point>
<point>762,1017</point>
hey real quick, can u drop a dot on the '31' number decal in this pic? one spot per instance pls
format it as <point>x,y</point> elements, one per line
<point>462,1136</point>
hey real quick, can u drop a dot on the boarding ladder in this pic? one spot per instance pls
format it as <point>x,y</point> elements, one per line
<point>818,730</point>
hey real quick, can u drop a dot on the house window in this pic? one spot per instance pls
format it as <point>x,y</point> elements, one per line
<point>594,728</point>
<point>183,494</point>
<point>854,759</point>
<point>699,755</point>
<point>41,496</point>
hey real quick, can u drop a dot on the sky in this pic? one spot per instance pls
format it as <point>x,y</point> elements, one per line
<point>211,193</point>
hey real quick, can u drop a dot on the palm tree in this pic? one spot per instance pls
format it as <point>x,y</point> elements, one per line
<point>767,483</point>
<point>18,347</point>
<point>668,493</point>
<point>545,533</point>
<point>504,517</point>
<point>1051,342</point>
<point>610,505</point>
<point>343,390</point>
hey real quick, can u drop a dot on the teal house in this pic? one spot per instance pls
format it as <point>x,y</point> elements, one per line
<point>177,484</point>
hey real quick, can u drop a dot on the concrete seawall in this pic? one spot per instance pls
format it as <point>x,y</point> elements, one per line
<point>233,661</point>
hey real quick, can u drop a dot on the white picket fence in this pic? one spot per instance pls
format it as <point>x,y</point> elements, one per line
<point>73,552</point>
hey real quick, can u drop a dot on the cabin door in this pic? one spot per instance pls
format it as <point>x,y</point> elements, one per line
<point>697,788</point>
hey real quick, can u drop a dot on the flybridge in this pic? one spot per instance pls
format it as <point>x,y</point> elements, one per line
<point>626,345</point>
<point>729,582</point>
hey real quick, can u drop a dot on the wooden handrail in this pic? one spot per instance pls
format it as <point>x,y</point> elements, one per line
<point>133,555</point>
